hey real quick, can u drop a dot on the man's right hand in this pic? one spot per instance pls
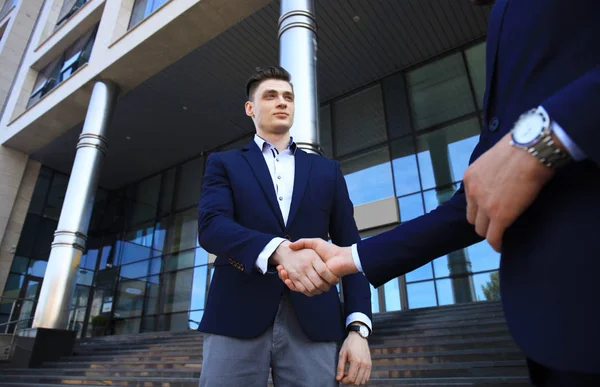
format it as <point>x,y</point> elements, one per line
<point>305,269</point>
<point>338,260</point>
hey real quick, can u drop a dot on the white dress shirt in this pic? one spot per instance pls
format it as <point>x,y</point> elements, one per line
<point>576,153</point>
<point>282,167</point>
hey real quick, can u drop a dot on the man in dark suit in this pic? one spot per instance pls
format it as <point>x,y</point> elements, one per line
<point>255,201</point>
<point>532,190</point>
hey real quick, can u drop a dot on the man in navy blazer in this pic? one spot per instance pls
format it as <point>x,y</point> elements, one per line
<point>255,200</point>
<point>532,190</point>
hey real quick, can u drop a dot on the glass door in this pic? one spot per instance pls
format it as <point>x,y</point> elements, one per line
<point>30,292</point>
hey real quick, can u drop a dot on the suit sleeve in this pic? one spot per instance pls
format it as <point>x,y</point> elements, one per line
<point>343,232</point>
<point>421,240</point>
<point>218,232</point>
<point>575,107</point>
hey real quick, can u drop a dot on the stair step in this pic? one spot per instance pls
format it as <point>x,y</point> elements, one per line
<point>156,364</point>
<point>467,369</point>
<point>499,343</point>
<point>491,381</point>
<point>27,380</point>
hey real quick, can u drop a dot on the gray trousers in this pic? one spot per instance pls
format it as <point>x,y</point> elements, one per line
<point>293,358</point>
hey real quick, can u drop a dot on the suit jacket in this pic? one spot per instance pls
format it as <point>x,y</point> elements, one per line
<point>239,215</point>
<point>539,52</point>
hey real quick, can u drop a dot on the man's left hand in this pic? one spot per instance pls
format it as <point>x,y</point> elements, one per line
<point>355,352</point>
<point>499,186</point>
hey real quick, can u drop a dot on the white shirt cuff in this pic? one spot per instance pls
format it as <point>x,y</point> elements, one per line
<point>359,317</point>
<point>356,258</point>
<point>576,153</point>
<point>263,258</point>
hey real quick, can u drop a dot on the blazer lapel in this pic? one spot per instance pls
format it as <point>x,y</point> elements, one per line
<point>494,28</point>
<point>257,162</point>
<point>301,175</point>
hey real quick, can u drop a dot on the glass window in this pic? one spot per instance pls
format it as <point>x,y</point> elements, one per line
<point>7,7</point>
<point>422,273</point>
<point>444,154</point>
<point>38,199</point>
<point>28,235</point>
<point>368,176</point>
<point>166,192</point>
<point>127,326</point>
<point>483,257</point>
<point>84,277</point>
<point>44,238</point>
<point>195,318</point>
<point>90,258</point>
<point>476,63</point>
<point>130,298</point>
<point>145,203</point>
<point>176,321</point>
<point>37,268</point>
<point>325,131</point>
<point>19,265</point>
<point>152,295</point>
<point>359,121</point>
<point>56,196</point>
<point>156,265</point>
<point>183,234</point>
<point>62,67</point>
<point>440,91</point>
<point>68,9</point>
<point>441,267</point>
<point>135,270</point>
<point>434,198</point>
<point>374,299</point>
<point>143,8</point>
<point>487,286</point>
<point>185,289</point>
<point>404,163</point>
<point>421,295</point>
<point>189,184</point>
<point>392,295</point>
<point>136,244</point>
<point>444,292</point>
<point>410,206</point>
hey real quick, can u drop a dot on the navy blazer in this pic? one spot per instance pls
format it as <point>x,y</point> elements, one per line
<point>239,215</point>
<point>539,52</point>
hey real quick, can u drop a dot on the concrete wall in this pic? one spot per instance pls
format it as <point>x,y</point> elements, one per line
<point>16,26</point>
<point>18,176</point>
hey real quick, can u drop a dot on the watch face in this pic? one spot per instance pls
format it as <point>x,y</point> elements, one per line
<point>364,331</point>
<point>529,128</point>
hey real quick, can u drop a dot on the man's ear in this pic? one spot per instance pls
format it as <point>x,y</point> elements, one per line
<point>249,108</point>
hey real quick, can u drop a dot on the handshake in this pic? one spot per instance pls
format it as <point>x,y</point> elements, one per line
<point>312,266</point>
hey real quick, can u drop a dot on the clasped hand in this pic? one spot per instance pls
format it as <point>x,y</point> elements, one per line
<point>312,266</point>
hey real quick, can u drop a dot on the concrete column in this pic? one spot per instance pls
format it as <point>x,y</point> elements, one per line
<point>71,234</point>
<point>298,55</point>
<point>459,264</point>
<point>17,179</point>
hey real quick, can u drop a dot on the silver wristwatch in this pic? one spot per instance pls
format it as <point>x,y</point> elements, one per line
<point>362,330</point>
<point>533,133</point>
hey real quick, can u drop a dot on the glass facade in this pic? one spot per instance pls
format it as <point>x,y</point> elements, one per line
<point>409,136</point>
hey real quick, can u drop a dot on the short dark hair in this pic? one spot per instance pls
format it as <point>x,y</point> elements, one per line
<point>272,72</point>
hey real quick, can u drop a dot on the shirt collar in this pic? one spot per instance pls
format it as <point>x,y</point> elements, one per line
<point>261,142</point>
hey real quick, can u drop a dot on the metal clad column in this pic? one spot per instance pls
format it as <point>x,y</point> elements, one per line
<point>70,237</point>
<point>298,55</point>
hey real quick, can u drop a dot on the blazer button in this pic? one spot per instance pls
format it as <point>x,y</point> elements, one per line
<point>289,238</point>
<point>494,124</point>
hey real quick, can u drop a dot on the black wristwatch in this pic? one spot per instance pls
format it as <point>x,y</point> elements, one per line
<point>362,330</point>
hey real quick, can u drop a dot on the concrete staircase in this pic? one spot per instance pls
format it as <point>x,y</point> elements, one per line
<point>459,345</point>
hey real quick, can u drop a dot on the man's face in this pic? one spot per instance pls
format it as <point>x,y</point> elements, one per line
<point>272,106</point>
